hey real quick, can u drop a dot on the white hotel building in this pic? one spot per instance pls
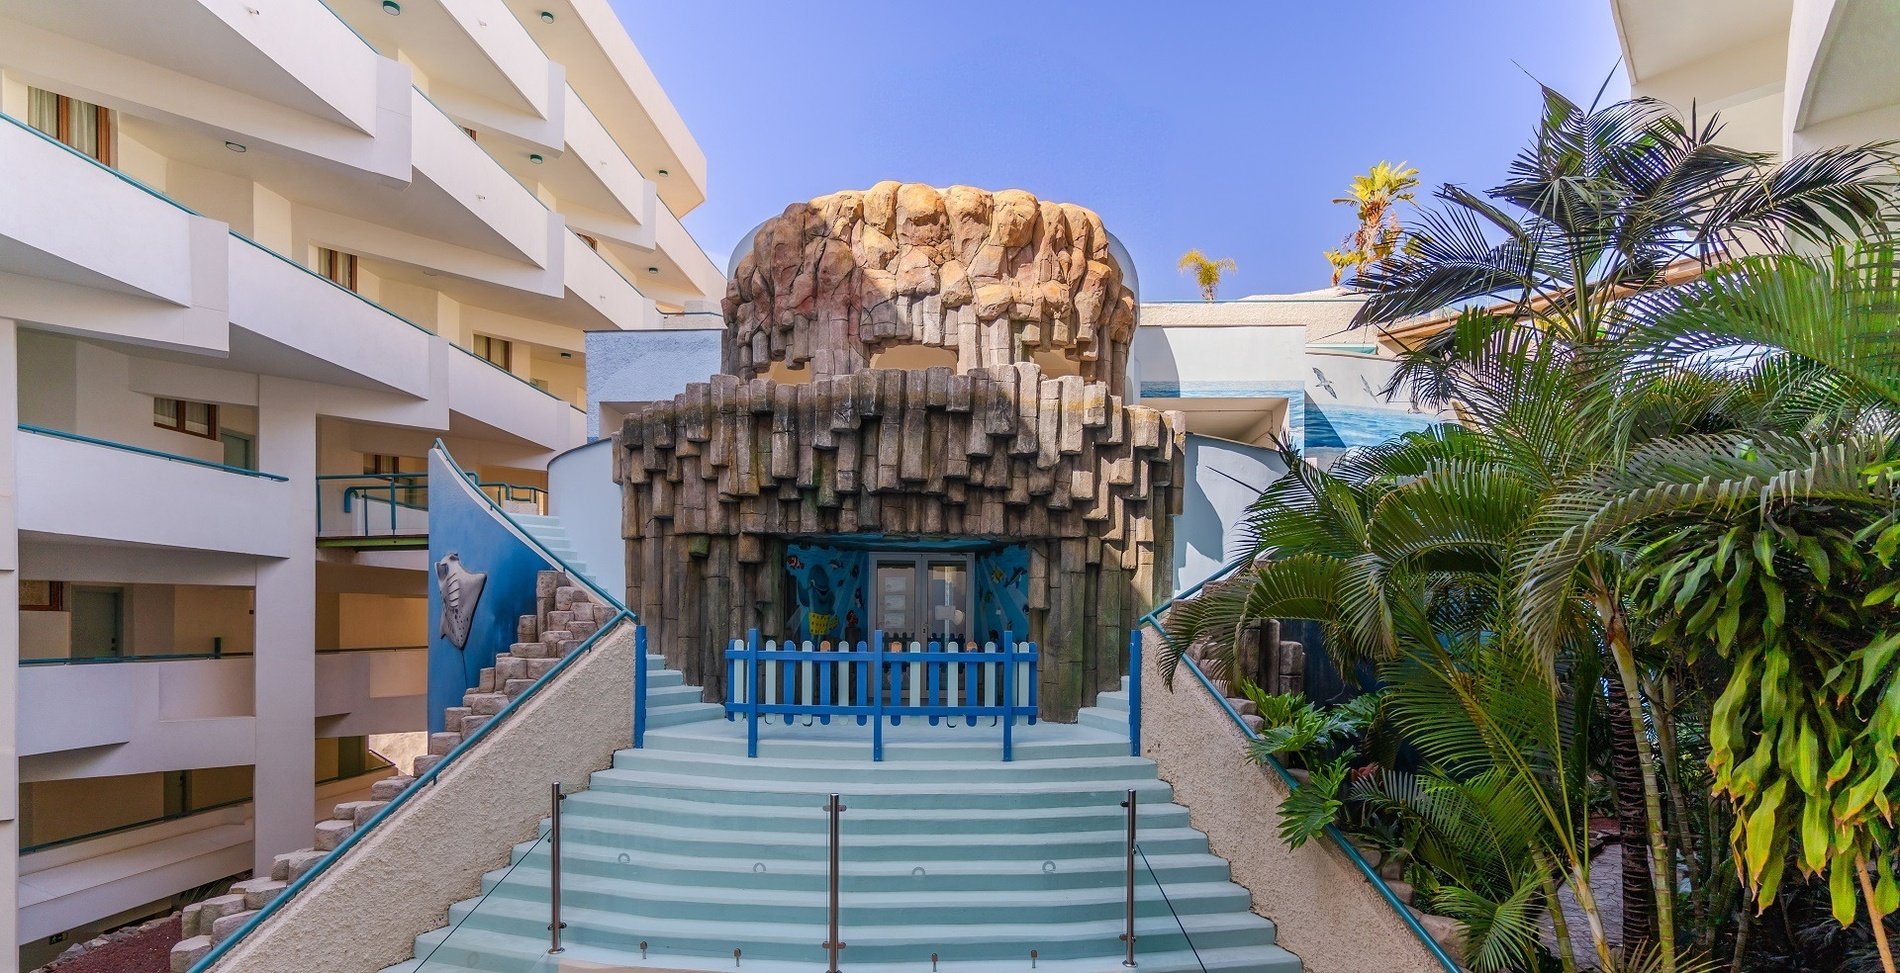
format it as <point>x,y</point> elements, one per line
<point>255,257</point>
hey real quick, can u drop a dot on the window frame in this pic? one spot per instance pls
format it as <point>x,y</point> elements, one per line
<point>178,420</point>
<point>105,123</point>
<point>483,344</point>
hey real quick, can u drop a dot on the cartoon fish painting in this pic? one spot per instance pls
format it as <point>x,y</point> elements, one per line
<point>461,589</point>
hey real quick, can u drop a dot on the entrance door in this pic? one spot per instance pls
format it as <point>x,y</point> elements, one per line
<point>237,450</point>
<point>922,597</point>
<point>97,622</point>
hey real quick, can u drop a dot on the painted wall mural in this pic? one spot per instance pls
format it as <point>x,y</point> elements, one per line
<point>1002,592</point>
<point>827,588</point>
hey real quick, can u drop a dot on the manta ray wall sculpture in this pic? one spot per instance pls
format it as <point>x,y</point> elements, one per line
<point>461,589</point>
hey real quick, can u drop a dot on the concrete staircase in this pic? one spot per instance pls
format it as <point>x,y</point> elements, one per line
<point>566,615</point>
<point>686,855</point>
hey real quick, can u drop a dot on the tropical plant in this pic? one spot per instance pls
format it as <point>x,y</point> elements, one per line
<point>1374,198</point>
<point>1773,547</point>
<point>1208,271</point>
<point>1606,203</point>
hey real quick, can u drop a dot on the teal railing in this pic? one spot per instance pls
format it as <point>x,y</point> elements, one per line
<point>396,504</point>
<point>428,777</point>
<point>133,826</point>
<point>330,282</point>
<point>1338,837</point>
<point>143,451</point>
<point>510,374</point>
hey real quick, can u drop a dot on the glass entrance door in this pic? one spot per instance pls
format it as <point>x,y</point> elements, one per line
<point>922,597</point>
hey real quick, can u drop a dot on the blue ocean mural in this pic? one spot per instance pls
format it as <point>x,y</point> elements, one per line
<point>827,588</point>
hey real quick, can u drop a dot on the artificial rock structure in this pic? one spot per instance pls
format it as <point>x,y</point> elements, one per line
<point>1024,441</point>
<point>994,278</point>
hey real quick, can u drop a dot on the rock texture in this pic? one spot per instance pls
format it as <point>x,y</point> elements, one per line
<point>718,479</point>
<point>996,278</point>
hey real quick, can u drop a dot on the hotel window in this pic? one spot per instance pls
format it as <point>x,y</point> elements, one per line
<point>191,418</point>
<point>84,126</point>
<point>495,351</point>
<point>541,383</point>
<point>592,243</point>
<point>338,266</point>
<point>470,133</point>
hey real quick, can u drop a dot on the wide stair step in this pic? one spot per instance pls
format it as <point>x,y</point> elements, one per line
<point>686,849</point>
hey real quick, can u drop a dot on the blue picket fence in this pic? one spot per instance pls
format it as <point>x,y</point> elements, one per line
<point>876,682</point>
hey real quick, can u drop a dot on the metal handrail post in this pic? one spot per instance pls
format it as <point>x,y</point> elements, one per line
<point>1128,921</point>
<point>1134,692</point>
<point>555,925</point>
<point>833,942</point>
<point>639,686</point>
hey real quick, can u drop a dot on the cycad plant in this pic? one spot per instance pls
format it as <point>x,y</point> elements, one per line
<point>1207,271</point>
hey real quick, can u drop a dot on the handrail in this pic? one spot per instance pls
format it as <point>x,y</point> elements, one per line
<point>143,451</point>
<point>134,826</point>
<point>332,283</point>
<point>123,177</point>
<point>427,777</point>
<point>471,353</point>
<point>1332,831</point>
<point>100,660</point>
<point>533,542</point>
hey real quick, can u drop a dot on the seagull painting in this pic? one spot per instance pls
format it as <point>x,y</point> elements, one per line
<point>461,589</point>
<point>1319,378</point>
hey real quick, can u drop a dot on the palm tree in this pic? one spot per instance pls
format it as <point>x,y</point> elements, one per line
<point>1374,197</point>
<point>1774,546</point>
<point>1606,202</point>
<point>1207,272</point>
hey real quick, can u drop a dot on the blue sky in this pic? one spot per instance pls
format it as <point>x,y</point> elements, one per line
<point>1223,126</point>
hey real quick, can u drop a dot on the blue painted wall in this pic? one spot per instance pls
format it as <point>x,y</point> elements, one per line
<point>460,521</point>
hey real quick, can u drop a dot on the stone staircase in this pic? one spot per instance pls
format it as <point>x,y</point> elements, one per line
<point>687,855</point>
<point>566,615</point>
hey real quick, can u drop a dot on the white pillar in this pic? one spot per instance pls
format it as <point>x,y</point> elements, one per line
<point>285,693</point>
<point>9,654</point>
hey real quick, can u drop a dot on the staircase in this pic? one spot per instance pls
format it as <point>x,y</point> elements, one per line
<point>548,532</point>
<point>566,615</point>
<point>686,851</point>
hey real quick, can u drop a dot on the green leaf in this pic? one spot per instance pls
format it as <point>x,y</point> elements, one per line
<point>1840,890</point>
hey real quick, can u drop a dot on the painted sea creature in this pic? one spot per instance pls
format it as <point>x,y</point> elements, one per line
<point>461,589</point>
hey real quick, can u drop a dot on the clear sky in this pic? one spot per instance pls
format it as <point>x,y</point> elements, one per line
<point>1227,126</point>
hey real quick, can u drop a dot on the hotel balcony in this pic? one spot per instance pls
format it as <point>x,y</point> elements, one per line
<point>605,68</point>
<point>77,487</point>
<point>391,510</point>
<point>476,60</point>
<point>287,320</point>
<point>289,75</point>
<point>158,279</point>
<point>114,716</point>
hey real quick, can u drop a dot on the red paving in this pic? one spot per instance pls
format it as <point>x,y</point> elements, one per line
<point>147,952</point>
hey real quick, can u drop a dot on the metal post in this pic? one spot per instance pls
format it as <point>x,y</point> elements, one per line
<point>832,943</point>
<point>639,686</point>
<point>555,925</point>
<point>1134,692</point>
<point>878,686</point>
<point>1128,922</point>
<point>1009,696</point>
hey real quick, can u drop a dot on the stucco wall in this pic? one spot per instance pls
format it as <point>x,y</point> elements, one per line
<point>1327,913</point>
<point>364,912</point>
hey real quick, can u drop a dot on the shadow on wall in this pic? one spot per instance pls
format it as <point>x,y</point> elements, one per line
<point>461,524</point>
<point>1224,478</point>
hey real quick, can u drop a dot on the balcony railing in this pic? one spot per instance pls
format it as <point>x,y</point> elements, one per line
<point>396,505</point>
